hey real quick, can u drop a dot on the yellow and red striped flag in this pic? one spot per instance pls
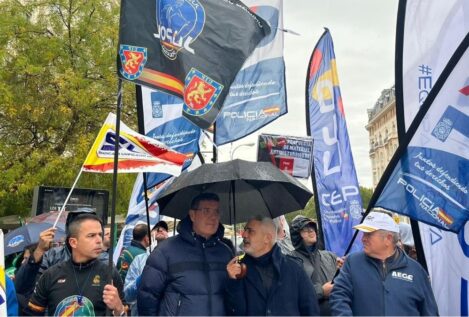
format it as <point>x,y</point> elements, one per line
<point>137,153</point>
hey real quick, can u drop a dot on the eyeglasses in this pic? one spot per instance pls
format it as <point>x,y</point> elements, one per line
<point>208,211</point>
<point>308,230</point>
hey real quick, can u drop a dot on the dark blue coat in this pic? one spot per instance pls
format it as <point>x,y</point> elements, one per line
<point>292,293</point>
<point>185,275</point>
<point>396,287</point>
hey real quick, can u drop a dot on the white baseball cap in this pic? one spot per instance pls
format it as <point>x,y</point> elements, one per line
<point>378,221</point>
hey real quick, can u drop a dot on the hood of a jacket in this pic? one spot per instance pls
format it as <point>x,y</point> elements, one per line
<point>186,232</point>
<point>297,224</point>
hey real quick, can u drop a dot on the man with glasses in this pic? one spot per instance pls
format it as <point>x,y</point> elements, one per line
<point>382,280</point>
<point>186,274</point>
<point>320,265</point>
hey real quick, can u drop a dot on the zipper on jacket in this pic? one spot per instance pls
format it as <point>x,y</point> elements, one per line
<point>207,274</point>
<point>383,272</point>
<point>383,281</point>
<point>178,308</point>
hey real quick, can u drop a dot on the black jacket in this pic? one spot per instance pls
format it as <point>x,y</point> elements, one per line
<point>69,287</point>
<point>320,265</point>
<point>291,294</point>
<point>185,275</point>
<point>30,272</point>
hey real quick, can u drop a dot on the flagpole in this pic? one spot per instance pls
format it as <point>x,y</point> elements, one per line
<point>146,206</point>
<point>114,175</point>
<point>400,117</point>
<point>214,147</point>
<point>141,130</point>
<point>68,197</point>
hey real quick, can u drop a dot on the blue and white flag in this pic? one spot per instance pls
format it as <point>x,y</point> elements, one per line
<point>162,119</point>
<point>137,210</point>
<point>257,96</point>
<point>428,33</point>
<point>335,179</point>
<point>427,179</point>
<point>447,255</point>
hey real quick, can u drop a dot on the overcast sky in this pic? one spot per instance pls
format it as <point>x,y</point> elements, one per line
<point>363,32</point>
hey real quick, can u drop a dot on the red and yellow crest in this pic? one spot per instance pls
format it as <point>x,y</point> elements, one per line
<point>200,93</point>
<point>133,59</point>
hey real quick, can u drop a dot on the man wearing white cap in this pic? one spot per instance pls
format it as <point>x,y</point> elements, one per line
<point>381,280</point>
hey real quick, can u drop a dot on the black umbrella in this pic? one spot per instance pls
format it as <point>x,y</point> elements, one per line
<point>245,189</point>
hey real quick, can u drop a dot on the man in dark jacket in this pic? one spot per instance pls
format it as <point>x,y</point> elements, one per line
<point>80,286</point>
<point>185,275</point>
<point>138,245</point>
<point>274,284</point>
<point>45,257</point>
<point>382,280</point>
<point>320,265</point>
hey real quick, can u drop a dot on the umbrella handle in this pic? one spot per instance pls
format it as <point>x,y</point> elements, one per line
<point>244,268</point>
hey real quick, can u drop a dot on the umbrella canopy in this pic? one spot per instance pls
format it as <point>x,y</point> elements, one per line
<point>18,239</point>
<point>50,217</point>
<point>245,189</point>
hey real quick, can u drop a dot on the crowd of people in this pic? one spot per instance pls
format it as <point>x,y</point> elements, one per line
<point>279,272</point>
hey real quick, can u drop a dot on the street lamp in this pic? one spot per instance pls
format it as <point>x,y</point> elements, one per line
<point>237,147</point>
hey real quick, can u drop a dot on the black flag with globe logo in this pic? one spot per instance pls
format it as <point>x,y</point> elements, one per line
<point>190,48</point>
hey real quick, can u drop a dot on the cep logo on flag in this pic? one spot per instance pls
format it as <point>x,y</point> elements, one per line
<point>340,203</point>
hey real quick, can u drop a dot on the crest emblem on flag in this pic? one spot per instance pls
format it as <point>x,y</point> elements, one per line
<point>133,59</point>
<point>200,94</point>
<point>179,23</point>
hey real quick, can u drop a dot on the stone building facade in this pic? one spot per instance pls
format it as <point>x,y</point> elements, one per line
<point>382,129</point>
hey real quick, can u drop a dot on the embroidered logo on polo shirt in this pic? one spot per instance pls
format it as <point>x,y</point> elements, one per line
<point>96,280</point>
